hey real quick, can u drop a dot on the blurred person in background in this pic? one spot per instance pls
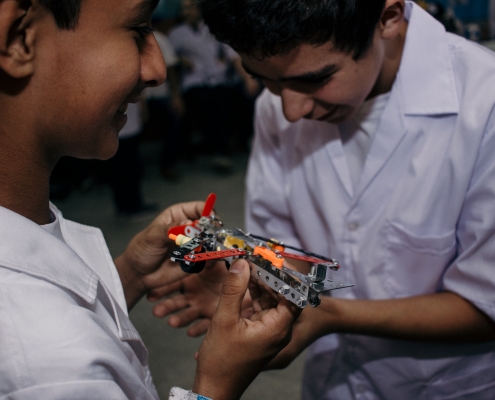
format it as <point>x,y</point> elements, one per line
<point>125,169</point>
<point>206,85</point>
<point>166,109</point>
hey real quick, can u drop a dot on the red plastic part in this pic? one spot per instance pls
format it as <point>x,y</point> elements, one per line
<point>209,204</point>
<point>177,230</point>
<point>312,260</point>
<point>214,255</point>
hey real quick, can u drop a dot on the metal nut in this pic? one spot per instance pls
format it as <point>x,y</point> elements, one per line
<point>302,302</point>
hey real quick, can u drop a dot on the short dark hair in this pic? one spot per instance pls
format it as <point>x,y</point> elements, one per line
<point>65,12</point>
<point>264,28</point>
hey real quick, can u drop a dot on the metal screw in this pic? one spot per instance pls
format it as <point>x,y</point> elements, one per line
<point>284,289</point>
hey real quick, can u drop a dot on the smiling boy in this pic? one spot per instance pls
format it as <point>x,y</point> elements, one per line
<point>374,145</point>
<point>68,70</point>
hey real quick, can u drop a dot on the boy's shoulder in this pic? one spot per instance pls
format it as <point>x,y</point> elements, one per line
<point>74,257</point>
<point>57,311</point>
<point>471,59</point>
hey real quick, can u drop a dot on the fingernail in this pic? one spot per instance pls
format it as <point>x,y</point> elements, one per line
<point>236,267</point>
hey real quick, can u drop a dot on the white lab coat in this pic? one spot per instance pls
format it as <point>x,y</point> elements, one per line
<point>420,220</point>
<point>64,331</point>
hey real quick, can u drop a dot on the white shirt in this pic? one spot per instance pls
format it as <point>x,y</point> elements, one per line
<point>421,218</point>
<point>209,57</point>
<point>65,333</point>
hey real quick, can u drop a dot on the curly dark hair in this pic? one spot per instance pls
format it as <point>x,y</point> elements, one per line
<point>263,28</point>
<point>66,12</point>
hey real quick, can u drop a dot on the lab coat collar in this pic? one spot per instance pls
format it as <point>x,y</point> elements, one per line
<point>45,256</point>
<point>26,247</point>
<point>425,85</point>
<point>426,73</point>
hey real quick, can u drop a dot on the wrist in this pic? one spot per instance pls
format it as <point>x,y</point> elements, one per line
<point>229,387</point>
<point>329,317</point>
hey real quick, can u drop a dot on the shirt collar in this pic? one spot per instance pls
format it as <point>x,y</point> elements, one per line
<point>27,247</point>
<point>426,76</point>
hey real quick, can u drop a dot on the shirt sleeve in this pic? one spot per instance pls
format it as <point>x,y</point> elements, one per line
<point>267,210</point>
<point>472,274</point>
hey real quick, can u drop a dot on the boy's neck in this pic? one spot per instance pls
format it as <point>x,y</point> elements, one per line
<point>393,57</point>
<point>24,181</point>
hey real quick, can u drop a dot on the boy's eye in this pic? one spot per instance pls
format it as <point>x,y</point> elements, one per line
<point>320,80</point>
<point>143,30</point>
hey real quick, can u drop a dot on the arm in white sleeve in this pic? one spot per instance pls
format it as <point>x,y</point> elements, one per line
<point>472,274</point>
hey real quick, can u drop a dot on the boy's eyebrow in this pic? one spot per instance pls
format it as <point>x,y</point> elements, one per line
<point>306,77</point>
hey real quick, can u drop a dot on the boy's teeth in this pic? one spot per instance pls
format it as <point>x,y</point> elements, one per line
<point>123,108</point>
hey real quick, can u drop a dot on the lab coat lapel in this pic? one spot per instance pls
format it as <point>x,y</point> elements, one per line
<point>391,130</point>
<point>337,156</point>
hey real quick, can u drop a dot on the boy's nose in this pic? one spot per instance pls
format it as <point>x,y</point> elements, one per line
<point>296,105</point>
<point>153,67</point>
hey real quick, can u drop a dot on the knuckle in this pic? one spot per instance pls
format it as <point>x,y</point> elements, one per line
<point>230,289</point>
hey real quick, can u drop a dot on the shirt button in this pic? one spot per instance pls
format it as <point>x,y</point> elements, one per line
<point>352,226</point>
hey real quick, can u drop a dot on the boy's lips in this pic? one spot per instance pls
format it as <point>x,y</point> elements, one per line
<point>328,114</point>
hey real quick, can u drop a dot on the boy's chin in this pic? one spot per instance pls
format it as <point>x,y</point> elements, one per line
<point>103,152</point>
<point>108,151</point>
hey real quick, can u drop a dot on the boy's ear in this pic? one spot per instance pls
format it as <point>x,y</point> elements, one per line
<point>17,38</point>
<point>392,19</point>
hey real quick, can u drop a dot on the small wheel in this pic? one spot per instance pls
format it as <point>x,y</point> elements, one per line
<point>192,268</point>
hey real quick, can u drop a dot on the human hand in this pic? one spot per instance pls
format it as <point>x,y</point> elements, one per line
<point>145,265</point>
<point>236,349</point>
<point>196,298</point>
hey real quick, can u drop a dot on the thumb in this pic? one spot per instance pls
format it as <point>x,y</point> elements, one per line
<point>233,291</point>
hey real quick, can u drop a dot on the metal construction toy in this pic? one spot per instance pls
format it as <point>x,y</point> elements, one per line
<point>206,239</point>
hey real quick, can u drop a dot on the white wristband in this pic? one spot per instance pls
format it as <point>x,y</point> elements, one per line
<point>177,393</point>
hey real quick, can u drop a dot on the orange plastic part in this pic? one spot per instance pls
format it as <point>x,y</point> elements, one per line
<point>276,246</point>
<point>269,255</point>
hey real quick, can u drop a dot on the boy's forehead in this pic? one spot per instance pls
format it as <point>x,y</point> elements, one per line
<point>303,59</point>
<point>119,7</point>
